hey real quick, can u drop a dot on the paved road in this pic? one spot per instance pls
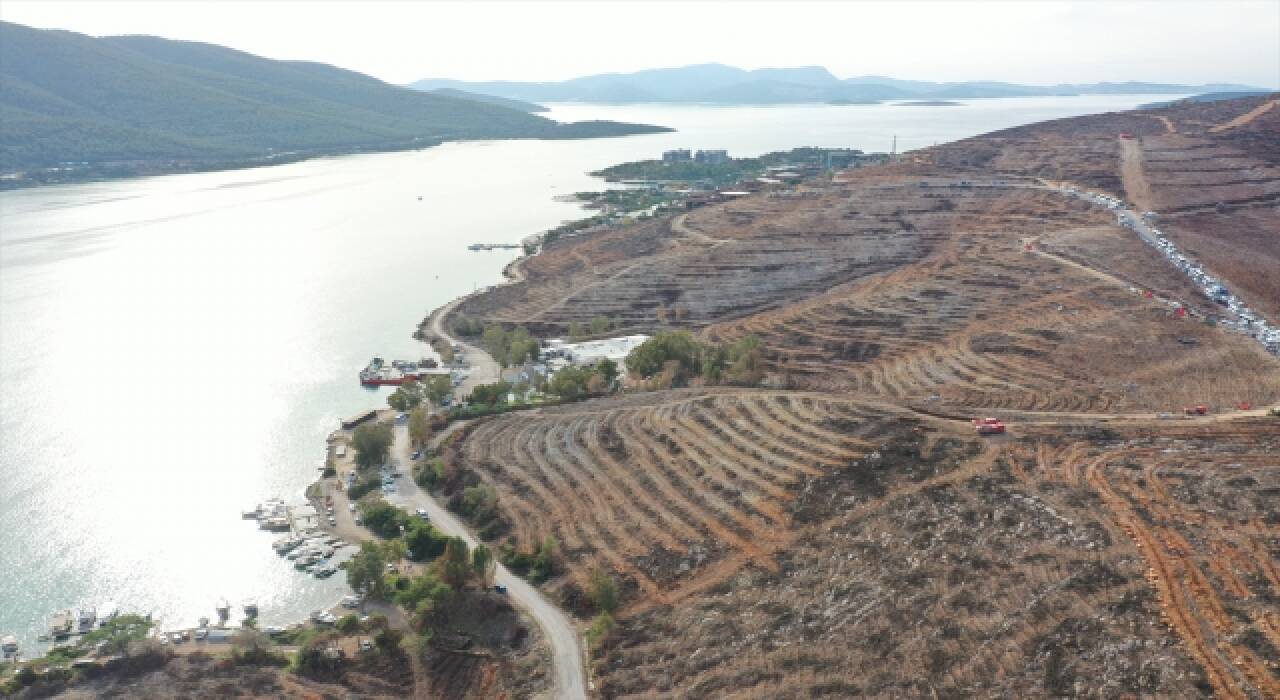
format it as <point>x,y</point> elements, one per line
<point>559,630</point>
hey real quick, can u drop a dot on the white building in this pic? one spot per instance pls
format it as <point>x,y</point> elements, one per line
<point>589,353</point>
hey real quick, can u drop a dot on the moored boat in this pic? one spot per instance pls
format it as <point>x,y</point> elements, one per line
<point>60,626</point>
<point>86,619</point>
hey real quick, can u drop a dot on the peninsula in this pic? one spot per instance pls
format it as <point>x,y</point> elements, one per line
<point>75,107</point>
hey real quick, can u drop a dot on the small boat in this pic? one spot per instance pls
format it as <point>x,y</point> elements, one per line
<point>204,622</point>
<point>9,645</point>
<point>251,608</point>
<point>60,626</point>
<point>224,610</point>
<point>86,619</point>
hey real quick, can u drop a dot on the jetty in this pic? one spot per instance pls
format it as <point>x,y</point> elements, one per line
<point>493,246</point>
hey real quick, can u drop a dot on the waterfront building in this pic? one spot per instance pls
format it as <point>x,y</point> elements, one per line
<point>712,157</point>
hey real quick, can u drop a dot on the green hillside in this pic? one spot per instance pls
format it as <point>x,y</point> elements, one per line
<point>131,104</point>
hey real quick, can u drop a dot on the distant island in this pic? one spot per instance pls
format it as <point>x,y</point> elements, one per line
<point>75,107</point>
<point>928,103</point>
<point>720,84</point>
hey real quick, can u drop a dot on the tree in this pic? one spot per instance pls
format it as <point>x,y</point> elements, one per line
<point>650,357</point>
<point>600,628</point>
<point>372,444</point>
<point>489,394</point>
<point>575,330</point>
<point>348,624</point>
<point>366,568</point>
<point>423,542</point>
<point>497,342</point>
<point>406,396</point>
<point>544,563</point>
<point>425,595</point>
<point>570,383</point>
<point>438,387</point>
<point>602,591</point>
<point>599,325</point>
<point>382,518</point>
<point>746,361</point>
<point>455,564</point>
<point>608,370</point>
<point>388,639</point>
<point>419,426</point>
<point>596,384</point>
<point>483,565</point>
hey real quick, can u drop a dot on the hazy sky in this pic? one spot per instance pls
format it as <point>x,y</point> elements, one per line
<point>1027,42</point>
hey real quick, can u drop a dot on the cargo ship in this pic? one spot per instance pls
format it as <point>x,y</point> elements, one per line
<point>380,373</point>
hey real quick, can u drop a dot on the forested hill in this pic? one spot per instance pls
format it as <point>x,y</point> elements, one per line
<point>128,104</point>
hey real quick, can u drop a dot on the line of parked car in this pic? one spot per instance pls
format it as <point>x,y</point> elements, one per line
<point>1239,318</point>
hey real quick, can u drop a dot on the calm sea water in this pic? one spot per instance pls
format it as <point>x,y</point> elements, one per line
<point>174,349</point>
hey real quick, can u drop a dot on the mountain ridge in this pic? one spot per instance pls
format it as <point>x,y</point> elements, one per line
<point>75,106</point>
<point>717,83</point>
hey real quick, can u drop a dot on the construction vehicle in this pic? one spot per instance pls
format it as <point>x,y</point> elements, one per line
<point>1197,410</point>
<point>988,426</point>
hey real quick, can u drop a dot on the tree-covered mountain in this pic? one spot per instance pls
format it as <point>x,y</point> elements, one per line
<point>721,84</point>
<point>160,105</point>
<point>491,99</point>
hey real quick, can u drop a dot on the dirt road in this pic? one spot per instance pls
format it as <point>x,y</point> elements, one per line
<point>1245,118</point>
<point>559,630</point>
<point>484,369</point>
<point>1136,187</point>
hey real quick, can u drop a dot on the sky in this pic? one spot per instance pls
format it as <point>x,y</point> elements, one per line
<point>1026,42</point>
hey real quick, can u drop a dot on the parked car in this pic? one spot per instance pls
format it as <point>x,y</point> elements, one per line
<point>422,513</point>
<point>499,588</point>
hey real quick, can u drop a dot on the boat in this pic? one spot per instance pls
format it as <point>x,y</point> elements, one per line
<point>60,626</point>
<point>382,373</point>
<point>9,645</point>
<point>251,608</point>
<point>86,619</point>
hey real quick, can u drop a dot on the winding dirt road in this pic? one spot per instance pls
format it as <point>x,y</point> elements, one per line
<point>562,636</point>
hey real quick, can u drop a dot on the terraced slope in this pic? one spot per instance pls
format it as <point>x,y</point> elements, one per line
<point>781,544</point>
<point>844,533</point>
<point>1212,174</point>
<point>675,490</point>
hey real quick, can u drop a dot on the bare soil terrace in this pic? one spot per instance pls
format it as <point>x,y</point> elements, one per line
<point>843,532</point>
